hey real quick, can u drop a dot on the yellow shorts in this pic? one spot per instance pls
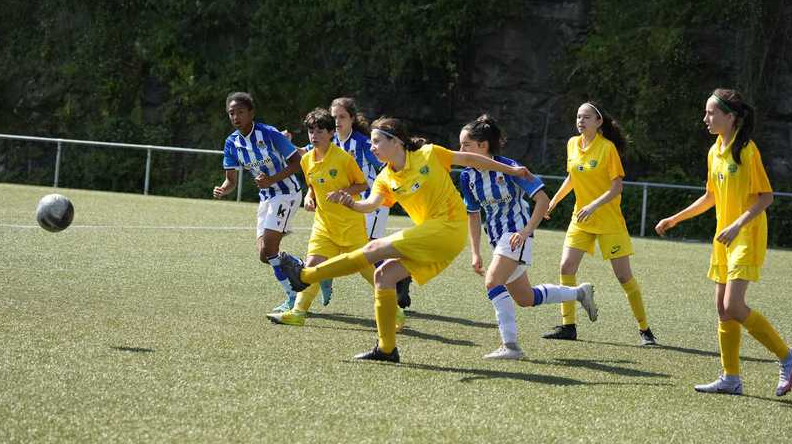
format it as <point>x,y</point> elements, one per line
<point>612,245</point>
<point>742,259</point>
<point>322,245</point>
<point>429,248</point>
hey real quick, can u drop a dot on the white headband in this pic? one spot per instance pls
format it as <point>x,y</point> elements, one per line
<point>595,109</point>
<point>391,136</point>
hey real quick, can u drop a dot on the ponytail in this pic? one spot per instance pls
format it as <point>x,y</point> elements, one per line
<point>359,123</point>
<point>610,127</point>
<point>486,129</point>
<point>396,128</point>
<point>730,101</point>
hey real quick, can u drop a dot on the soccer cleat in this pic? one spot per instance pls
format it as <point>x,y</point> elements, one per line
<point>377,355</point>
<point>586,298</point>
<point>291,317</point>
<point>403,292</point>
<point>565,332</point>
<point>327,291</point>
<point>287,305</point>
<point>785,376</point>
<point>728,385</point>
<point>647,337</point>
<point>292,267</point>
<point>401,320</point>
<point>506,351</point>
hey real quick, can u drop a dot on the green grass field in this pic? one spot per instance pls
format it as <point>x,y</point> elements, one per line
<point>144,322</point>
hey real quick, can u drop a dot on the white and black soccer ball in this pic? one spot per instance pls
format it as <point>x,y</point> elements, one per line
<point>54,212</point>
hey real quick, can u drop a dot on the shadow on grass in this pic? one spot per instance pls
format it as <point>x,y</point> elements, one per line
<point>691,351</point>
<point>461,321</point>
<point>365,322</point>
<point>601,366</point>
<point>133,349</point>
<point>786,402</point>
<point>473,374</point>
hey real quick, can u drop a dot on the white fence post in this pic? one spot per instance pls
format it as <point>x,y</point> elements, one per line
<point>148,173</point>
<point>57,165</point>
<point>643,209</point>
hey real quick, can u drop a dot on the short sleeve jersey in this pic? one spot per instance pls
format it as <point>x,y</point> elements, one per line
<point>335,171</point>
<point>423,187</point>
<point>264,150</point>
<point>591,172</point>
<point>501,196</point>
<point>735,186</point>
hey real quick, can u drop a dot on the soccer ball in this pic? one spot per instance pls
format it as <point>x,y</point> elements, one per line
<point>55,212</point>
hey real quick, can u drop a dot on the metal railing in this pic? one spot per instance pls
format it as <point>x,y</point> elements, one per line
<point>149,148</point>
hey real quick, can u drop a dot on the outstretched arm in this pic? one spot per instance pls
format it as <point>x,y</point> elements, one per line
<point>480,162</point>
<point>366,205</point>
<point>229,184</point>
<point>700,205</point>
<point>566,188</point>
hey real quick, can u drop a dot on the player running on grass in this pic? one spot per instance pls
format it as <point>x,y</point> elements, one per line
<point>272,161</point>
<point>336,228</point>
<point>738,188</point>
<point>510,227</point>
<point>351,134</point>
<point>595,174</point>
<point>417,177</point>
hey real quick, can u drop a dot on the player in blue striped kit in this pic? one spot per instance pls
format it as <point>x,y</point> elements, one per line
<point>510,228</point>
<point>352,136</point>
<point>272,161</point>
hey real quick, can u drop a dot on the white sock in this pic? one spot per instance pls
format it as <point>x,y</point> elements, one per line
<point>505,314</point>
<point>555,294</point>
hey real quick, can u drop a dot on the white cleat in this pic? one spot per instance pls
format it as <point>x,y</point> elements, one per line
<point>586,299</point>
<point>506,351</point>
<point>729,385</point>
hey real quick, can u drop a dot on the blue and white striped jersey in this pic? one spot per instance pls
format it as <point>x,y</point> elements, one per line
<point>264,150</point>
<point>501,197</point>
<point>358,145</point>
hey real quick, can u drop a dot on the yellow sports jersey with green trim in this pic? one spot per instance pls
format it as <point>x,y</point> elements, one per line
<point>735,188</point>
<point>591,172</point>
<point>336,170</point>
<point>423,187</point>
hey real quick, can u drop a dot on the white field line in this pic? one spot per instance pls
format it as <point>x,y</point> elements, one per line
<point>164,227</point>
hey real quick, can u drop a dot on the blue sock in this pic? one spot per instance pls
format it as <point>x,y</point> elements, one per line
<point>538,296</point>
<point>281,277</point>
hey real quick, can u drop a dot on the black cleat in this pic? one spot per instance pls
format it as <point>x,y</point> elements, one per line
<point>403,292</point>
<point>292,267</point>
<point>647,337</point>
<point>377,355</point>
<point>565,332</point>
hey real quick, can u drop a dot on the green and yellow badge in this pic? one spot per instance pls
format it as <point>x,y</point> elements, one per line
<point>333,173</point>
<point>424,170</point>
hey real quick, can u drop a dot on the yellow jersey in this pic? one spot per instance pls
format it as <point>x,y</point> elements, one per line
<point>591,172</point>
<point>336,170</point>
<point>735,187</point>
<point>423,187</point>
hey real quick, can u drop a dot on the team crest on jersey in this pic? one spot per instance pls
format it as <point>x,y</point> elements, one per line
<point>500,180</point>
<point>333,173</point>
<point>732,168</point>
<point>592,163</point>
<point>424,170</point>
<point>260,143</point>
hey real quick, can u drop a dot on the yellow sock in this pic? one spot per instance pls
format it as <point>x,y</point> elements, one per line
<point>759,327</point>
<point>368,274</point>
<point>385,314</point>
<point>729,334</point>
<point>633,292</point>
<point>568,308</point>
<point>341,265</point>
<point>306,297</point>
